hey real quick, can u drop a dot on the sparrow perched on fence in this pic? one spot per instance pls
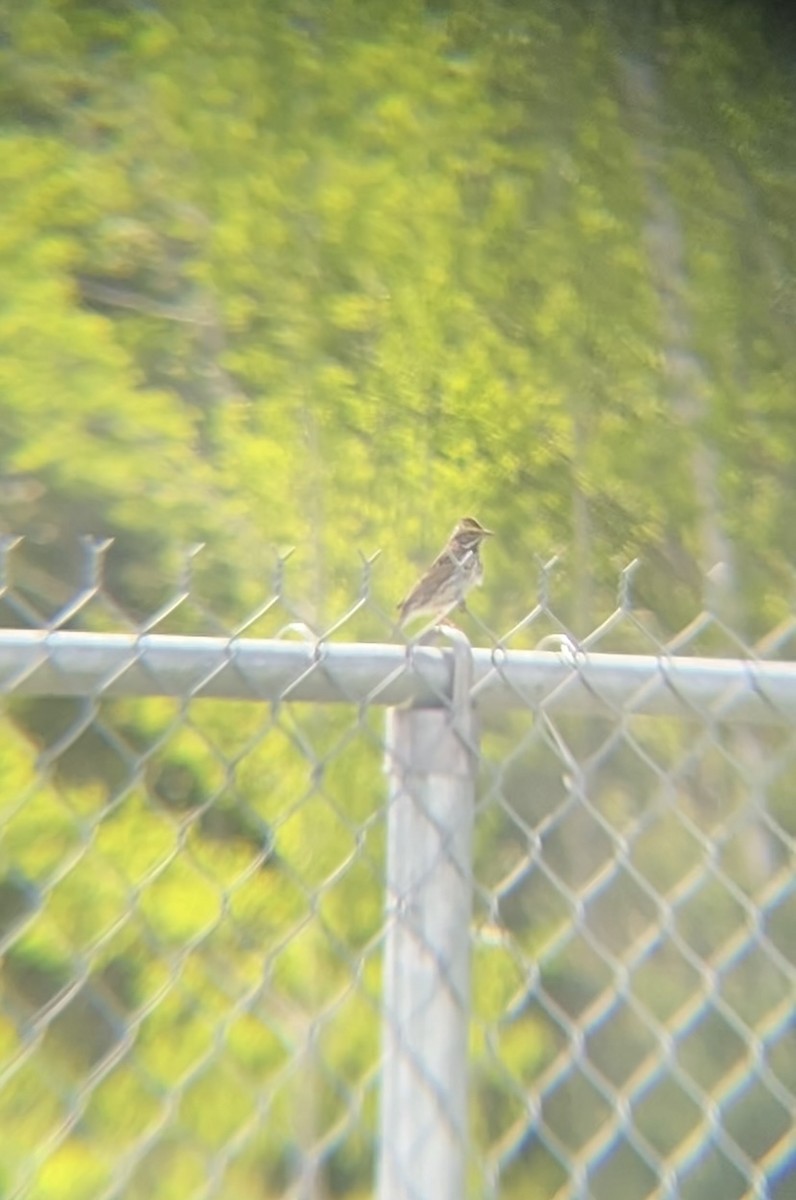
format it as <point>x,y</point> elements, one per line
<point>456,570</point>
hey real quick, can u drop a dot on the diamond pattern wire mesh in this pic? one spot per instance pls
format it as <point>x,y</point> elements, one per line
<point>192,922</point>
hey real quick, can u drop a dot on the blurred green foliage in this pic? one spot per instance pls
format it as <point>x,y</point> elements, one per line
<point>284,273</point>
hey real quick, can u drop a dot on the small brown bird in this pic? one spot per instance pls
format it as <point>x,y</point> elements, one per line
<point>450,577</point>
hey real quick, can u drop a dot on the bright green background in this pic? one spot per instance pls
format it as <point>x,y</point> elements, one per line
<point>329,276</point>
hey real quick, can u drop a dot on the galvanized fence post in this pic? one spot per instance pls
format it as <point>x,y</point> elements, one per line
<point>431,761</point>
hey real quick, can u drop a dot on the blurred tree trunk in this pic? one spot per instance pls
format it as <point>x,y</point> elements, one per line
<point>687,380</point>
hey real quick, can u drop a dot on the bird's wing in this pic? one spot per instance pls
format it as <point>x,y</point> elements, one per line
<point>438,570</point>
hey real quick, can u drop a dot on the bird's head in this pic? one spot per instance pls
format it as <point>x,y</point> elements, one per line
<point>470,532</point>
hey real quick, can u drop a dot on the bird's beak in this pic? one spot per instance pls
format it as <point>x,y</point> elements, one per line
<point>488,532</point>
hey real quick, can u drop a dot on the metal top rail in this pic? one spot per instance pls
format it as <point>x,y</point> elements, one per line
<point>34,662</point>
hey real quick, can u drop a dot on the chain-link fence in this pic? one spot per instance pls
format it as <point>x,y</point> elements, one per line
<point>300,916</point>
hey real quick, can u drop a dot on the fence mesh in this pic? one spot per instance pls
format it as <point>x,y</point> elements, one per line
<point>193,918</point>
